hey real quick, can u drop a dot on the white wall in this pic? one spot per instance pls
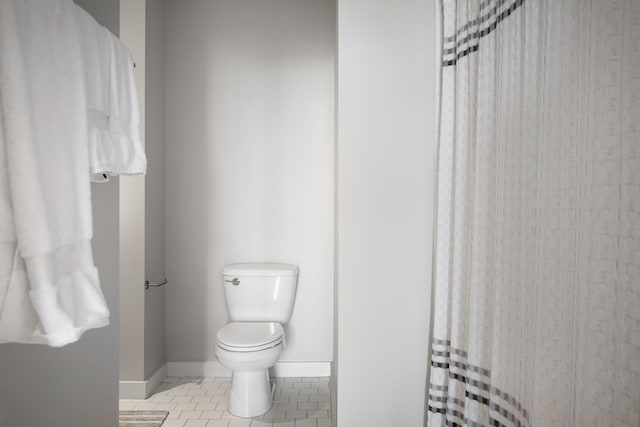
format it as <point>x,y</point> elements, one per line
<point>386,90</point>
<point>250,102</point>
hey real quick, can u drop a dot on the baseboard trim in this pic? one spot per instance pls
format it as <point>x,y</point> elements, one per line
<point>215,369</point>
<point>197,369</point>
<point>301,369</point>
<point>142,389</point>
<point>155,380</point>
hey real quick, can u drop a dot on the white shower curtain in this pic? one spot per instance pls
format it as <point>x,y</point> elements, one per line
<point>537,265</point>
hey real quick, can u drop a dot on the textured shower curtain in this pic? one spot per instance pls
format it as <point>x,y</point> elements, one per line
<point>537,265</point>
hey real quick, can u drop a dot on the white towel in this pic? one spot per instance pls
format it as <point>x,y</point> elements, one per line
<point>115,147</point>
<point>124,120</point>
<point>46,259</point>
<point>96,54</point>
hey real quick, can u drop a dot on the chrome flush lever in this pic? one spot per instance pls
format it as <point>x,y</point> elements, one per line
<point>234,282</point>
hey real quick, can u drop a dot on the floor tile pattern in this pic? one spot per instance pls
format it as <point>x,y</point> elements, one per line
<point>202,402</point>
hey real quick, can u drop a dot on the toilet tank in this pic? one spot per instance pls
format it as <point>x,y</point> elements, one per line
<point>260,292</point>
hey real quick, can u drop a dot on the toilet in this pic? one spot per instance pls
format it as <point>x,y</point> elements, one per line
<point>260,298</point>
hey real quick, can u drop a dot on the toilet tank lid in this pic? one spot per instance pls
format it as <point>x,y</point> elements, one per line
<point>260,269</point>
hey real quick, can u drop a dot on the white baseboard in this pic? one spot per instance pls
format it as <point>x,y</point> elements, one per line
<point>155,380</point>
<point>142,389</point>
<point>197,369</point>
<point>301,369</point>
<point>215,369</point>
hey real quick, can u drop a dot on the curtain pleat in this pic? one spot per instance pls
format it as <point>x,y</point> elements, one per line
<point>537,265</point>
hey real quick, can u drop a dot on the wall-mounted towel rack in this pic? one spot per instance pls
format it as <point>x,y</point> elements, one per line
<point>148,284</point>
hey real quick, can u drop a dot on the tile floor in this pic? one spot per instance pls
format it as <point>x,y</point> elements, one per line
<point>202,402</point>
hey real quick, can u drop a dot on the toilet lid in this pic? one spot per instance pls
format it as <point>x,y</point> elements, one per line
<point>250,336</point>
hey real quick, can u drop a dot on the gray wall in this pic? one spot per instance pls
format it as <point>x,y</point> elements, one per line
<point>142,236</point>
<point>132,216</point>
<point>154,302</point>
<point>77,385</point>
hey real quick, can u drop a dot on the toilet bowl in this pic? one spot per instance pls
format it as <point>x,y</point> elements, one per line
<point>259,298</point>
<point>249,349</point>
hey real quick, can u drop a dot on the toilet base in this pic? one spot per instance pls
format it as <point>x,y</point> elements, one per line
<point>251,394</point>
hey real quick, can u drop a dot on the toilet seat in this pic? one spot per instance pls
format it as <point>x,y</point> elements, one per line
<point>250,336</point>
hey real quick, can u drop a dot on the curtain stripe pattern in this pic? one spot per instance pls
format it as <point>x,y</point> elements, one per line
<point>537,254</point>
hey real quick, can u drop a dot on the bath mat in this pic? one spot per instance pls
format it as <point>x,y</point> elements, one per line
<point>142,418</point>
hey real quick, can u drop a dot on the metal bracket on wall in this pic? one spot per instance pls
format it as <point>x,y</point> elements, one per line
<point>148,285</point>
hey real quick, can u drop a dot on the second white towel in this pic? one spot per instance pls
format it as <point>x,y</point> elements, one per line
<point>114,141</point>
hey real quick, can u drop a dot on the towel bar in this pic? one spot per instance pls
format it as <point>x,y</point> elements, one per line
<point>148,285</point>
